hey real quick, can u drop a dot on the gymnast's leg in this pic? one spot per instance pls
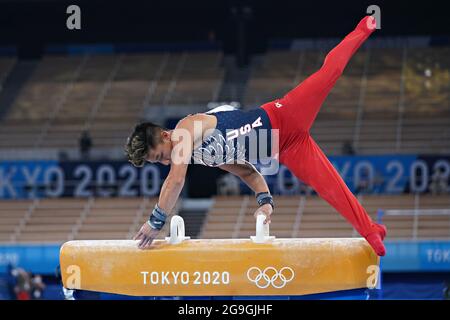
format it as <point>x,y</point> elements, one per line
<point>308,163</point>
<point>304,101</point>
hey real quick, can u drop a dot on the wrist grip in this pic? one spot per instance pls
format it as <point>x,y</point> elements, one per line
<point>157,218</point>
<point>263,198</point>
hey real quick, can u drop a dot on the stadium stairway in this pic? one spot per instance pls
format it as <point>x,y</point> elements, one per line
<point>235,80</point>
<point>14,82</point>
<point>194,212</point>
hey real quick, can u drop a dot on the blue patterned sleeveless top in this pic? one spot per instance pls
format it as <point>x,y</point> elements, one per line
<point>240,136</point>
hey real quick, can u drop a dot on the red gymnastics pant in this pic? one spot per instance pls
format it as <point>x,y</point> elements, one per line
<point>294,114</point>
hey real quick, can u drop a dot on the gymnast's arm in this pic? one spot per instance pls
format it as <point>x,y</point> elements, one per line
<point>172,186</point>
<point>182,142</point>
<point>248,173</point>
<point>254,180</point>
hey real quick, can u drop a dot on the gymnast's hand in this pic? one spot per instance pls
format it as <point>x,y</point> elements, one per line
<point>266,210</point>
<point>146,234</point>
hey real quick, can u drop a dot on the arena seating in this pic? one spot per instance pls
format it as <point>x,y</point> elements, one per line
<point>404,91</point>
<point>305,217</point>
<point>384,102</point>
<point>12,213</point>
<point>60,220</point>
<point>276,74</point>
<point>6,64</point>
<point>40,99</point>
<point>104,94</point>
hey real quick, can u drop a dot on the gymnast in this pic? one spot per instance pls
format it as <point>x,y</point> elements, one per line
<point>215,138</point>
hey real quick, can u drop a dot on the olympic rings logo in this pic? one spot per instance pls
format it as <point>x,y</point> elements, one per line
<point>270,276</point>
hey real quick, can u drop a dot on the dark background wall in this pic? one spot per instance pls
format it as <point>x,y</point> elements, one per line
<point>32,24</point>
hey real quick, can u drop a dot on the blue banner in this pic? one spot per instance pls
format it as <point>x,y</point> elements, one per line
<point>41,179</point>
<point>112,179</point>
<point>39,258</point>
<point>417,256</point>
<point>26,179</point>
<point>387,174</point>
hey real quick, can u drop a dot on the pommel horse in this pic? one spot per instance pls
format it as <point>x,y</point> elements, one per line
<point>260,266</point>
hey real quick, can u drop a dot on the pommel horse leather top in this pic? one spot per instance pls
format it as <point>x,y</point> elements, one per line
<point>178,266</point>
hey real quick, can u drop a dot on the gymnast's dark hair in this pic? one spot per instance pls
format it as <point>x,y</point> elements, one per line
<point>144,137</point>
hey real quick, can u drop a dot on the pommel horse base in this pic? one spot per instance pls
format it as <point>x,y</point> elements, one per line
<point>260,266</point>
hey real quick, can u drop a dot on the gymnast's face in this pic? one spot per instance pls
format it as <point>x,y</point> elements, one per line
<point>163,150</point>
